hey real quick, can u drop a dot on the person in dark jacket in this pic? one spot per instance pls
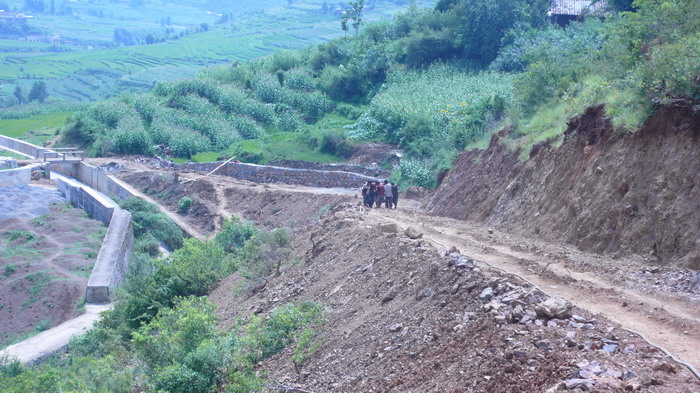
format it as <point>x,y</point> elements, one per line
<point>380,194</point>
<point>372,193</point>
<point>395,194</point>
<point>365,195</point>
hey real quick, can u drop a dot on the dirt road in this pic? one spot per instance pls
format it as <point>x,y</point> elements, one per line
<point>666,320</point>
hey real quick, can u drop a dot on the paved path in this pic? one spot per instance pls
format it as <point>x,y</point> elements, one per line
<point>47,342</point>
<point>26,201</point>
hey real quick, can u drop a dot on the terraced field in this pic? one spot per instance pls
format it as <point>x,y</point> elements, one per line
<point>72,74</point>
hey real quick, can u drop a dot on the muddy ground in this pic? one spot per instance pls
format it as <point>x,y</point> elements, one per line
<point>218,197</point>
<point>45,263</point>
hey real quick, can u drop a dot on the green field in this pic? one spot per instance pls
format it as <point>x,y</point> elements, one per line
<point>71,74</point>
<point>36,129</point>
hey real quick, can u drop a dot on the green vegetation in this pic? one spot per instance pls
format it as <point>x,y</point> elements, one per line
<point>107,47</point>
<point>432,81</point>
<point>35,129</point>
<point>162,333</point>
<point>184,205</point>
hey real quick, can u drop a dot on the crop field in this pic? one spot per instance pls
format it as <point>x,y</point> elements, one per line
<point>255,33</point>
<point>35,129</point>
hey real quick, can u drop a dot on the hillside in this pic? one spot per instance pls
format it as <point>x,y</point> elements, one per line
<point>599,190</point>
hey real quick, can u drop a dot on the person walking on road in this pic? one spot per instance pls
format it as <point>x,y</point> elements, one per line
<point>365,195</point>
<point>380,194</point>
<point>388,198</point>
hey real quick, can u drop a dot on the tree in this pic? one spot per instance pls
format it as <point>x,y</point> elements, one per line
<point>356,14</point>
<point>344,21</point>
<point>38,92</point>
<point>19,94</point>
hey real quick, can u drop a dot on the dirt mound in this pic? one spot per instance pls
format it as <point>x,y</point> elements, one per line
<point>406,318</point>
<point>603,192</point>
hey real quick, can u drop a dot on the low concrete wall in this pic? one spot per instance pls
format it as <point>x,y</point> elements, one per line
<point>274,174</point>
<point>96,205</point>
<point>113,259</point>
<point>372,170</point>
<point>21,146</point>
<point>93,176</point>
<point>17,176</point>
<point>115,253</point>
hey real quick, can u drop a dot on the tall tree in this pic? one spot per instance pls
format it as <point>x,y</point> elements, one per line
<point>38,92</point>
<point>19,94</point>
<point>356,14</point>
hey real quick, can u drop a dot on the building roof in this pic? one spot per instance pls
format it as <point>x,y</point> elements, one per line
<point>576,7</point>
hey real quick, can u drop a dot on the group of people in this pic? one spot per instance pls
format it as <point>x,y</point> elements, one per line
<point>376,194</point>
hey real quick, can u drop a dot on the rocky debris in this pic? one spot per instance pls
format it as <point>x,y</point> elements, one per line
<point>415,193</point>
<point>486,294</point>
<point>389,228</point>
<point>413,233</point>
<point>37,175</point>
<point>554,307</point>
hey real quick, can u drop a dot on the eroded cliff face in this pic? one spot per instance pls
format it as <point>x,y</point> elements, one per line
<point>635,193</point>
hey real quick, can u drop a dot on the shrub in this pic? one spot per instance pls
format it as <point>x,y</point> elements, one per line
<point>234,233</point>
<point>184,205</point>
<point>148,219</point>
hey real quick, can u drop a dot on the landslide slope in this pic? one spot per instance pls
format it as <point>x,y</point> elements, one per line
<point>610,193</point>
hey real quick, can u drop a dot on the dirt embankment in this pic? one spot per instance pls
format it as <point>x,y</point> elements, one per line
<point>218,197</point>
<point>405,318</point>
<point>612,194</point>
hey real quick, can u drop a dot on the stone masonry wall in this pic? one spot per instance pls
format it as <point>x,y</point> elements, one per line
<point>273,174</point>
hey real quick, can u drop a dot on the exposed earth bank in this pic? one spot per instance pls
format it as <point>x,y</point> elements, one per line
<point>404,316</point>
<point>602,191</point>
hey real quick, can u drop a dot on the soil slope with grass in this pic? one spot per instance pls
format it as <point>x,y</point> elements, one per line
<point>45,263</point>
<point>600,191</point>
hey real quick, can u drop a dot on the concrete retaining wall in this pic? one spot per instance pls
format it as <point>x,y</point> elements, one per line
<point>93,176</point>
<point>21,147</point>
<point>113,259</point>
<point>273,174</point>
<point>17,176</point>
<point>115,253</point>
<point>96,205</point>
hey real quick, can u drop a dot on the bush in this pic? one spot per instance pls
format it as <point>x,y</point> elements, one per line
<point>184,205</point>
<point>234,233</point>
<point>148,219</point>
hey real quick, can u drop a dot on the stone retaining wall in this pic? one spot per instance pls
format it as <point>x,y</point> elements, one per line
<point>273,174</point>
<point>17,176</point>
<point>25,148</point>
<point>374,171</point>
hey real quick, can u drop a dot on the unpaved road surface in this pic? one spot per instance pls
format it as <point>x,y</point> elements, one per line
<point>665,319</point>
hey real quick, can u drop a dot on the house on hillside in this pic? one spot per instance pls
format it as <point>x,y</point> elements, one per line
<point>13,17</point>
<point>562,12</point>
